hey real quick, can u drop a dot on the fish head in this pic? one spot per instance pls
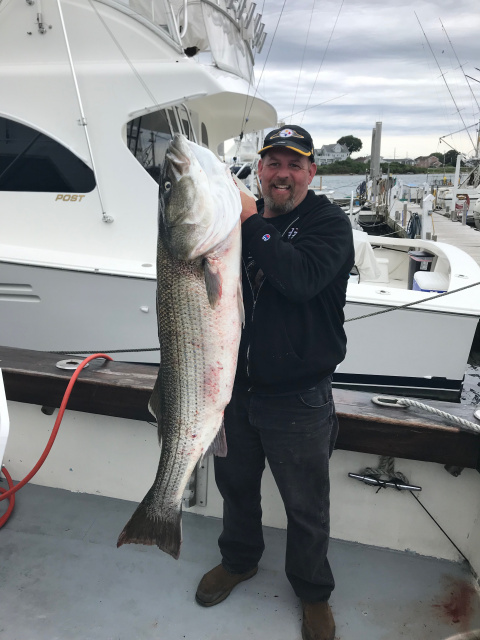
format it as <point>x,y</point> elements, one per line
<point>201,202</point>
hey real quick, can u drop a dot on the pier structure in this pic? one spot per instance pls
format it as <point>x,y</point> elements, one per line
<point>437,225</point>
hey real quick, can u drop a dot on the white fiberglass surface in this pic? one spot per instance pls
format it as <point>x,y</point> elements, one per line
<point>4,419</point>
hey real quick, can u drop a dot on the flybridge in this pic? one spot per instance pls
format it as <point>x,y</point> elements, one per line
<point>200,26</point>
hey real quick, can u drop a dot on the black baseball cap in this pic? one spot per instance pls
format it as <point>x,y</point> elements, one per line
<point>291,137</point>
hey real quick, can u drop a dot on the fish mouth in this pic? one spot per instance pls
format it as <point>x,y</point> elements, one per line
<point>178,155</point>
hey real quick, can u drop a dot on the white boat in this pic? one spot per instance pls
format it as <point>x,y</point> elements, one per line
<point>470,195</point>
<point>77,274</point>
<point>476,214</point>
<point>467,190</point>
<point>91,92</point>
<point>78,212</point>
<point>421,350</point>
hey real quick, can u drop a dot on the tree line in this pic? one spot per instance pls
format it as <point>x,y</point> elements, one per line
<point>354,144</point>
<point>351,166</point>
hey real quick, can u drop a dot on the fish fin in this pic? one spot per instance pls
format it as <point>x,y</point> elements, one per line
<point>241,308</point>
<point>142,528</point>
<point>219,444</point>
<point>213,281</point>
<point>155,406</point>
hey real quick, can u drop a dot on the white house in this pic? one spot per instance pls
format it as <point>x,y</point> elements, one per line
<point>331,153</point>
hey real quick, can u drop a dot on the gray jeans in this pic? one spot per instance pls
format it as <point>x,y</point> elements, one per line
<point>296,433</point>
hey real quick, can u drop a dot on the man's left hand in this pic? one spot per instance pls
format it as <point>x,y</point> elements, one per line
<point>249,206</point>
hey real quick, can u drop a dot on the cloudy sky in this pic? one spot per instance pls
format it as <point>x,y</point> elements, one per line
<point>371,60</point>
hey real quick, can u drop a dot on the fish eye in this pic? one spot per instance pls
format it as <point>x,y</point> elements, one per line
<point>167,186</point>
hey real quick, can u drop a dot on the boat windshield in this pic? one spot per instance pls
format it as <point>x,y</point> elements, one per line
<point>227,31</point>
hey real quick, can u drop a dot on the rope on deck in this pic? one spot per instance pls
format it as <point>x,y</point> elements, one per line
<point>461,422</point>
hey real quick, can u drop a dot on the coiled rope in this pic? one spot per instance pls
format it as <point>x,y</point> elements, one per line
<point>386,468</point>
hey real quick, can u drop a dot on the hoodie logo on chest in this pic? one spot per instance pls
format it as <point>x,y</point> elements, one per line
<point>292,233</point>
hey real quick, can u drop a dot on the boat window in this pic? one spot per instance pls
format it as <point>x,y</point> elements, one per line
<point>172,116</point>
<point>184,118</point>
<point>31,161</point>
<point>204,135</point>
<point>148,138</point>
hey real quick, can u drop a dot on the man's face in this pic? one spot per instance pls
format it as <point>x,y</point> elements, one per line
<point>285,177</point>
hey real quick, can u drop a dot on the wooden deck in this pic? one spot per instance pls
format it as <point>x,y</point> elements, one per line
<point>464,237</point>
<point>461,236</point>
<point>122,390</point>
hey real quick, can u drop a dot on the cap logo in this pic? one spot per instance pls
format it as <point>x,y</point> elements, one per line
<point>266,237</point>
<point>287,133</point>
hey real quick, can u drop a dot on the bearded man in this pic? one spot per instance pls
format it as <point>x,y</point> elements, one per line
<point>297,255</point>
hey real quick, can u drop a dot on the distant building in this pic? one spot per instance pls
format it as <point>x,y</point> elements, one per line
<point>408,161</point>
<point>366,159</point>
<point>427,162</point>
<point>331,153</point>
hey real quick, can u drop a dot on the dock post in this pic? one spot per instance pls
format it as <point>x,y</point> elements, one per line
<point>464,213</point>
<point>404,215</point>
<point>427,217</point>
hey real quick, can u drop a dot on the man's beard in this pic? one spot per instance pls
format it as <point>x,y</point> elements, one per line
<point>279,207</point>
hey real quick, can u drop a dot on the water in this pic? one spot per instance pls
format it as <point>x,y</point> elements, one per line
<point>344,185</point>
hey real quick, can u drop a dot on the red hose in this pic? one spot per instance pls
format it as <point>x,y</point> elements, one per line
<point>10,494</point>
<point>11,500</point>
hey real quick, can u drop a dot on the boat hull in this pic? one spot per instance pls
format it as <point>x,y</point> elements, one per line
<point>408,351</point>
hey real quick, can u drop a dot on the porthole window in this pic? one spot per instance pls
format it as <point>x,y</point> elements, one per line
<point>32,161</point>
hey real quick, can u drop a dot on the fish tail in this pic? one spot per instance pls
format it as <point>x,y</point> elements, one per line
<point>142,528</point>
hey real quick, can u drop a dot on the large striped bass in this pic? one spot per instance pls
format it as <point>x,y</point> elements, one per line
<point>200,312</point>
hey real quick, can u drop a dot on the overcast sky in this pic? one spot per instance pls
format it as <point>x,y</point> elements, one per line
<point>375,65</point>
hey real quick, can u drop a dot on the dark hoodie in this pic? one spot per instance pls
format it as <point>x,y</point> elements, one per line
<point>295,273</point>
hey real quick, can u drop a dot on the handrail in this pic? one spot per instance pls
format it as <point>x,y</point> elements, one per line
<point>185,19</point>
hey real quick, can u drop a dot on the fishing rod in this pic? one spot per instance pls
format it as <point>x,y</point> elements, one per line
<point>247,116</point>
<point>303,56</point>
<point>314,106</point>
<point>465,76</point>
<point>323,58</point>
<point>443,76</point>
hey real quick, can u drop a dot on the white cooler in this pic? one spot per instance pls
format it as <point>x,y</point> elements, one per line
<point>430,281</point>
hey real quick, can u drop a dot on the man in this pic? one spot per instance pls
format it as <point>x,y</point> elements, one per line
<point>297,253</point>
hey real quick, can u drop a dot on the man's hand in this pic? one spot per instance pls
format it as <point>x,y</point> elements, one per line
<point>249,206</point>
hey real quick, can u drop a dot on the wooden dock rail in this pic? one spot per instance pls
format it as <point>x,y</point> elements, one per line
<point>122,390</point>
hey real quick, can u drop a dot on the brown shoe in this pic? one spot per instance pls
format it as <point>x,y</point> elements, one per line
<point>318,622</point>
<point>216,585</point>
